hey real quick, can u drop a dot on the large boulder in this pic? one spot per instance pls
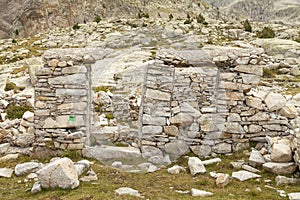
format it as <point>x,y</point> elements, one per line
<point>60,173</point>
<point>281,153</point>
<point>256,159</point>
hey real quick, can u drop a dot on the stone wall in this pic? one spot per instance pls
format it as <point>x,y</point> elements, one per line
<point>206,101</point>
<point>211,105</point>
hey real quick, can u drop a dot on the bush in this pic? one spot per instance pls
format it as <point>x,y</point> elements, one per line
<point>11,86</point>
<point>97,19</point>
<point>247,26</point>
<point>16,112</point>
<point>188,21</point>
<point>142,14</point>
<point>170,16</point>
<point>200,19</point>
<point>76,26</point>
<point>266,33</point>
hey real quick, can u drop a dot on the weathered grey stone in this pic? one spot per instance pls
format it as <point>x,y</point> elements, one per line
<point>222,148</point>
<point>222,180</point>
<point>28,116</point>
<point>158,95</point>
<point>294,196</point>
<point>250,169</point>
<point>177,148</point>
<point>70,92</point>
<point>152,130</point>
<point>280,168</point>
<point>250,79</point>
<point>250,69</point>
<point>4,147</point>
<point>261,116</point>
<point>9,157</point>
<point>234,127</point>
<point>26,168</point>
<point>256,159</point>
<point>234,117</point>
<point>82,166</point>
<point>148,120</point>
<point>127,191</point>
<point>74,79</point>
<point>202,150</point>
<point>6,172</point>
<point>36,187</point>
<point>281,153</point>
<point>211,161</point>
<point>104,153</point>
<point>254,128</point>
<point>175,169</point>
<point>182,119</point>
<point>254,102</point>
<point>196,166</point>
<point>243,175</point>
<point>25,140</point>
<point>289,111</point>
<point>60,173</point>
<point>171,130</point>
<point>200,193</point>
<point>149,151</point>
<point>74,70</point>
<point>275,101</point>
<point>286,181</point>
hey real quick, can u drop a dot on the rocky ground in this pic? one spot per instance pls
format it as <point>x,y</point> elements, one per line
<point>131,44</point>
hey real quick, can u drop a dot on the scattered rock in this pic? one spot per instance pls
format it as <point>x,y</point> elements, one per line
<point>250,169</point>
<point>285,180</point>
<point>26,168</point>
<point>243,175</point>
<point>176,169</point>
<point>275,101</point>
<point>127,191</point>
<point>60,173</point>
<point>9,157</point>
<point>211,161</point>
<point>280,168</point>
<point>200,193</point>
<point>281,153</point>
<point>196,166</point>
<point>6,172</point>
<point>222,180</point>
<point>37,187</point>
<point>90,176</point>
<point>294,196</point>
<point>256,159</point>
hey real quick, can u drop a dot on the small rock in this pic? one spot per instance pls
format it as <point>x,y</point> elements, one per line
<point>9,157</point>
<point>222,180</point>
<point>152,169</point>
<point>176,169</point>
<point>256,159</point>
<point>236,165</point>
<point>250,169</point>
<point>196,166</point>
<point>200,193</point>
<point>117,164</point>
<point>91,176</point>
<point>25,168</point>
<point>285,180</point>
<point>211,161</point>
<point>6,172</point>
<point>36,187</point>
<point>127,191</point>
<point>281,193</point>
<point>32,176</point>
<point>243,175</point>
<point>294,196</point>
<point>275,101</point>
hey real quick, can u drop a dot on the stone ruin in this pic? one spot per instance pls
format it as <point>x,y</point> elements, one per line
<point>206,101</point>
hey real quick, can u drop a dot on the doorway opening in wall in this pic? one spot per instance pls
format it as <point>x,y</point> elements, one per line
<point>116,98</point>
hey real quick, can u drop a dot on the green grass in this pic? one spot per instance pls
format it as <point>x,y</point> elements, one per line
<point>16,111</point>
<point>157,185</point>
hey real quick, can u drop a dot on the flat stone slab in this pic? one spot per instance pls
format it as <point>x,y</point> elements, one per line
<point>243,175</point>
<point>6,172</point>
<point>105,153</point>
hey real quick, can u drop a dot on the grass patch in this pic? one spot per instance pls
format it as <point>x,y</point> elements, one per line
<point>157,185</point>
<point>103,88</point>
<point>12,86</point>
<point>269,73</point>
<point>16,112</point>
<point>20,69</point>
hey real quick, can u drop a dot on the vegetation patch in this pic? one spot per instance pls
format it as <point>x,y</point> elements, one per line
<point>103,88</point>
<point>12,86</point>
<point>267,32</point>
<point>269,73</point>
<point>16,111</point>
<point>20,69</point>
<point>247,26</point>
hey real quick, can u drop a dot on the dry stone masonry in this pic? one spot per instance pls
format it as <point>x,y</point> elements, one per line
<point>206,101</point>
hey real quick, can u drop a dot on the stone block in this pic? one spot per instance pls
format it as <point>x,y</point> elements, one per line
<point>158,95</point>
<point>152,130</point>
<point>250,69</point>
